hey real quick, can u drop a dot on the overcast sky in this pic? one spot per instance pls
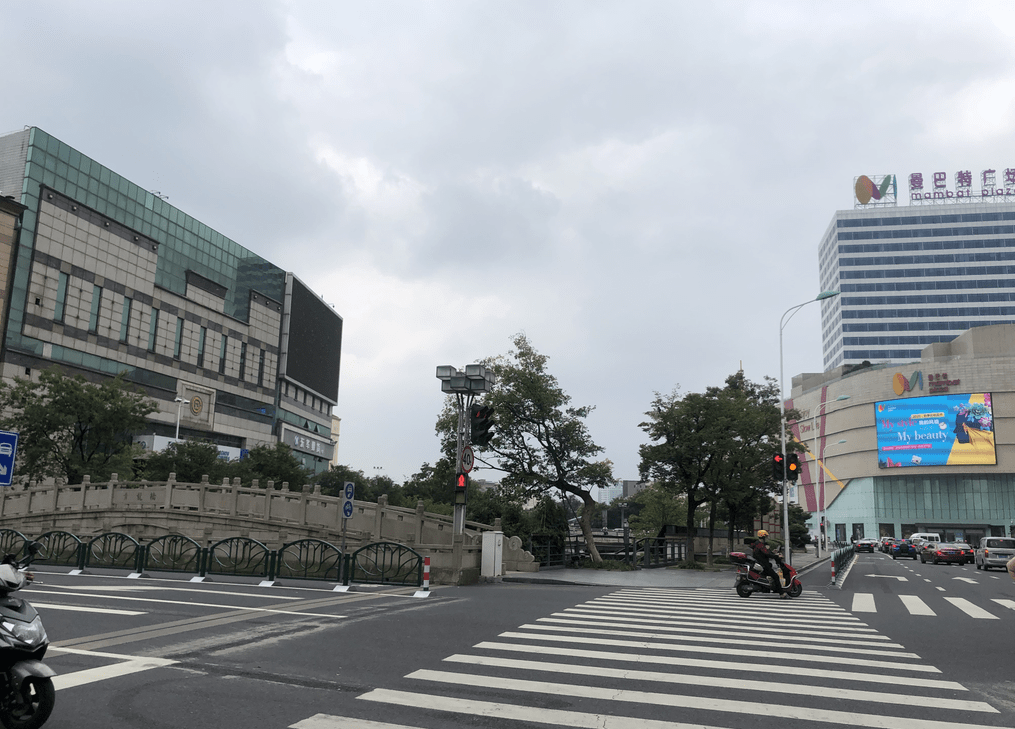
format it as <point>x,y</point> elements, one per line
<point>639,187</point>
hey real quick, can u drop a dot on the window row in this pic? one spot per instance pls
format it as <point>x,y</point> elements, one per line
<point>928,232</point>
<point>920,272</point>
<point>925,219</point>
<point>226,356</point>
<point>928,259</point>
<point>983,283</point>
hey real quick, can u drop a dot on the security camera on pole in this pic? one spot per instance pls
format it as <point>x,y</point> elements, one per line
<point>476,380</point>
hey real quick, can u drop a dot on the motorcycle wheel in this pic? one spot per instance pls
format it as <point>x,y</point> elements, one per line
<point>743,589</point>
<point>30,708</point>
<point>796,590</point>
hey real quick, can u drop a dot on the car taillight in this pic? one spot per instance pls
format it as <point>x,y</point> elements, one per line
<point>986,553</point>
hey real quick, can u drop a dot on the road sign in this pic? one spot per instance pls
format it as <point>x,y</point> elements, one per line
<point>8,452</point>
<point>347,493</point>
<point>468,459</point>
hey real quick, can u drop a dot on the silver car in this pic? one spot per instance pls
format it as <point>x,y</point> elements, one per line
<point>994,552</point>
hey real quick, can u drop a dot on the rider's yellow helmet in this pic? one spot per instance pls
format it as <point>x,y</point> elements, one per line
<point>762,533</point>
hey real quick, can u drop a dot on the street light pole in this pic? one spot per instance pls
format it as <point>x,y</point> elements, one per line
<point>787,549</point>
<point>817,459</point>
<point>179,408</point>
<point>821,511</point>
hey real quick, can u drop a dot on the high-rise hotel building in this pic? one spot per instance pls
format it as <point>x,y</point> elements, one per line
<point>103,276</point>
<point>914,275</point>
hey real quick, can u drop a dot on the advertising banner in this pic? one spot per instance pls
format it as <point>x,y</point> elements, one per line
<point>939,430</point>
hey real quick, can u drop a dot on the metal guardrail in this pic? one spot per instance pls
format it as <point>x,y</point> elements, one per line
<point>305,559</point>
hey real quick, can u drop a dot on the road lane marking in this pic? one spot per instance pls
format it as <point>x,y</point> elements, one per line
<point>81,609</point>
<point>895,677</point>
<point>126,665</point>
<point>1010,604</point>
<point>704,639</point>
<point>723,682</point>
<point>727,651</point>
<point>970,609</point>
<point>324,721</point>
<point>863,602</point>
<point>532,714</point>
<point>186,603</point>
<point>704,628</point>
<point>701,703</point>
<point>915,605</point>
<point>139,588</point>
<point>900,578</point>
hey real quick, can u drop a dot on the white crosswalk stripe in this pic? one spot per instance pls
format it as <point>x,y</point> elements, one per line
<point>864,602</point>
<point>711,659</point>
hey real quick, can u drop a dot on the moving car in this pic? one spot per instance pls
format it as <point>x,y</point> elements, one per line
<point>903,548</point>
<point>865,545</point>
<point>938,552</point>
<point>967,551</point>
<point>886,544</point>
<point>994,552</point>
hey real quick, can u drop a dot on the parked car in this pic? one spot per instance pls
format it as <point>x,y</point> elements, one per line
<point>865,545</point>
<point>994,552</point>
<point>937,552</point>
<point>904,548</point>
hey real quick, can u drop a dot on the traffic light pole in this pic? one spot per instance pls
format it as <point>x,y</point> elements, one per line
<point>464,402</point>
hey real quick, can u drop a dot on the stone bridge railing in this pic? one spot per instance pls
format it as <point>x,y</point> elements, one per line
<point>209,512</point>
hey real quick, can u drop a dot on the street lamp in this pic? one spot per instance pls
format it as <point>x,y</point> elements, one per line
<point>782,419</point>
<point>179,408</point>
<point>821,505</point>
<point>815,455</point>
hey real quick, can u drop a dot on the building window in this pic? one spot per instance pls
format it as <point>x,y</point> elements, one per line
<point>178,342</point>
<point>243,360</point>
<point>260,370</point>
<point>222,355</point>
<point>61,298</point>
<point>93,316</point>
<point>125,318</point>
<point>200,346</point>
<point>154,330</point>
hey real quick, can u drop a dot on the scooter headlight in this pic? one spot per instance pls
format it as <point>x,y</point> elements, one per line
<point>28,633</point>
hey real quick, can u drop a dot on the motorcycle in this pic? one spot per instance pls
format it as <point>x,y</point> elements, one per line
<point>751,579</point>
<point>27,694</point>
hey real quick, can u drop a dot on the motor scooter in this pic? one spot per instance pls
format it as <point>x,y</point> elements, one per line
<point>27,694</point>
<point>751,579</point>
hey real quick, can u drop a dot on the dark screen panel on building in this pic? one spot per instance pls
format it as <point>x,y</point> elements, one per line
<point>314,342</point>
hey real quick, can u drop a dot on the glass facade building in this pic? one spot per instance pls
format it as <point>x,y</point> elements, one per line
<point>913,276</point>
<point>109,277</point>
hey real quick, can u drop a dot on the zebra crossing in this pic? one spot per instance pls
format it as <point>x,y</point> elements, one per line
<point>707,658</point>
<point>864,602</point>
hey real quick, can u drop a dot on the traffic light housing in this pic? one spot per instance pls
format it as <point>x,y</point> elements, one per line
<point>793,466</point>
<point>481,424</point>
<point>778,467</point>
<point>461,482</point>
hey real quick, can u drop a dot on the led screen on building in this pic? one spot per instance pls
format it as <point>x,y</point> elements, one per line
<point>311,341</point>
<point>938,430</point>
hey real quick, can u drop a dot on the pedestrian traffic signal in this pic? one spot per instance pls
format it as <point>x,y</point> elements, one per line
<point>778,467</point>
<point>793,466</point>
<point>481,423</point>
<point>461,482</point>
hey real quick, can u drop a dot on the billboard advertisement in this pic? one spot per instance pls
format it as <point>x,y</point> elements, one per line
<point>311,341</point>
<point>937,430</point>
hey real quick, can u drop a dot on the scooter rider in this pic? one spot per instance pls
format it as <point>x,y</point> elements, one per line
<point>764,556</point>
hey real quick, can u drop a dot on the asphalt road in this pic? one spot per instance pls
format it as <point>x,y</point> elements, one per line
<point>169,653</point>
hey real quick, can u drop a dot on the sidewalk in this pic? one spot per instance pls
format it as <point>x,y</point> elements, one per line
<point>805,563</point>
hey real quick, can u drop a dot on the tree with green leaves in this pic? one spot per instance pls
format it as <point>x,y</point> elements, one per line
<point>190,460</point>
<point>69,427</point>
<point>272,463</point>
<point>712,448</point>
<point>540,441</point>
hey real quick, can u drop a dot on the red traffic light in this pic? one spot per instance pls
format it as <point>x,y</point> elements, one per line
<point>461,482</point>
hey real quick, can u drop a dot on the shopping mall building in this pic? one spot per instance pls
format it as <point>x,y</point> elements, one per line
<point>910,428</point>
<point>100,276</point>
